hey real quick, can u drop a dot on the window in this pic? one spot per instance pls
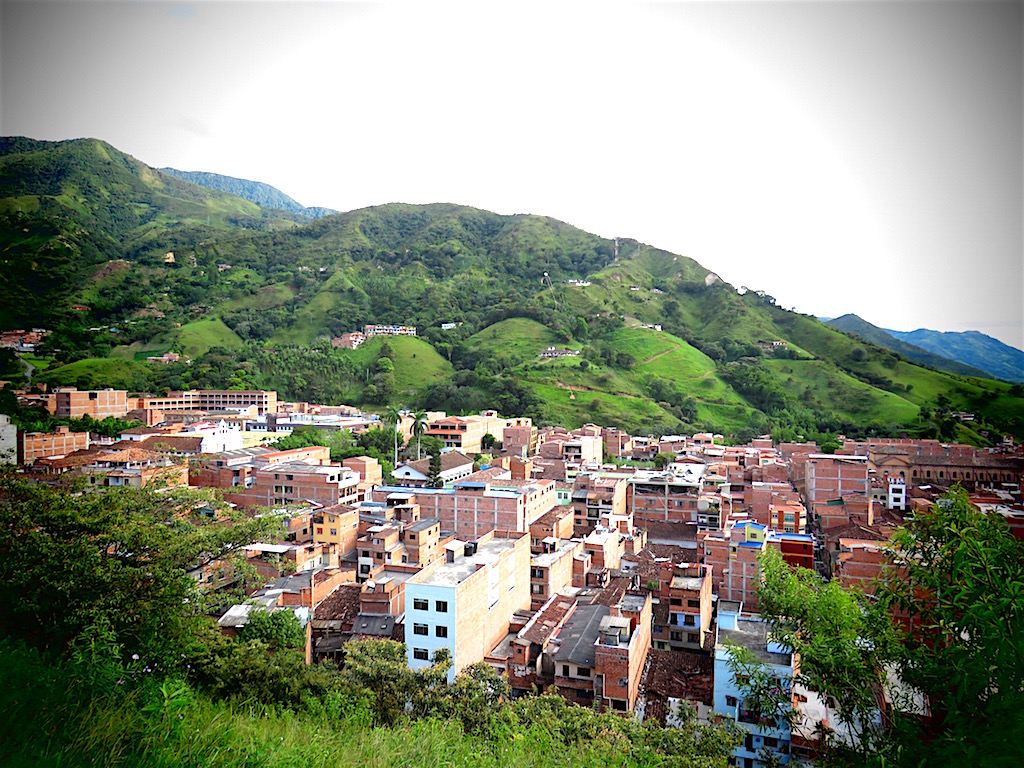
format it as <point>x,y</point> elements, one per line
<point>421,653</point>
<point>420,629</point>
<point>441,631</point>
<point>582,672</point>
<point>730,701</point>
<point>565,670</point>
<point>441,606</point>
<point>693,603</point>
<point>770,741</point>
<point>334,531</point>
<point>420,604</point>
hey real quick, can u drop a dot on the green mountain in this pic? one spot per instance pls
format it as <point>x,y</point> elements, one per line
<point>252,297</point>
<point>859,327</point>
<point>262,194</point>
<point>68,208</point>
<point>971,347</point>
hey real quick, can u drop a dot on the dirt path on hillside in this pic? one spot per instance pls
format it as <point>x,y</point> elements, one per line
<point>578,388</point>
<point>660,354</point>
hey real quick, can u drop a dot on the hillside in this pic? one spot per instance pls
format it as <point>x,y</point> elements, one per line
<point>262,194</point>
<point>970,347</point>
<point>67,208</point>
<point>859,327</point>
<point>252,296</point>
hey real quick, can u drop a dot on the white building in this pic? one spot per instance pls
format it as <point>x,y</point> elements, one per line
<point>761,734</point>
<point>465,602</point>
<point>896,498</point>
<point>8,441</point>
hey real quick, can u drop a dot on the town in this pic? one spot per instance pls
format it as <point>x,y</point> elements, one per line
<point>621,570</point>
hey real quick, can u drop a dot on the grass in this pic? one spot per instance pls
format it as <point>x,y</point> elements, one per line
<point>52,719</point>
<point>273,295</point>
<point>309,319</point>
<point>200,336</point>
<point>836,391</point>
<point>94,373</point>
<point>139,351</point>
<point>518,338</point>
<point>417,364</point>
<point>632,413</point>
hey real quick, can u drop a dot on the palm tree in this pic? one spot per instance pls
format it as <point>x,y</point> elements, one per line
<point>419,426</point>
<point>393,416</point>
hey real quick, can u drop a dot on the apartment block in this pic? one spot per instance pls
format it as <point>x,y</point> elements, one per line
<point>472,509</point>
<point>465,602</point>
<point>337,525</point>
<point>733,556</point>
<point>616,442</point>
<point>828,476</point>
<point>776,505</point>
<point>72,403</point>
<point>38,445</point>
<point>729,695</point>
<point>213,400</point>
<point>599,653</point>
<point>684,597</point>
<point>370,473</point>
<point>380,546</point>
<point>551,572</point>
<point>667,497</point>
<point>294,482</point>
<point>583,450</point>
<point>858,563</point>
<point>458,433</point>
<point>519,438</point>
<point>550,528</point>
<point>595,496</point>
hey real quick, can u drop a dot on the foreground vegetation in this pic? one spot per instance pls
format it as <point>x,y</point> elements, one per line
<point>108,657</point>
<point>944,624</point>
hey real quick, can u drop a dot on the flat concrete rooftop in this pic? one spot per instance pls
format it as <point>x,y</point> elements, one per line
<point>453,574</point>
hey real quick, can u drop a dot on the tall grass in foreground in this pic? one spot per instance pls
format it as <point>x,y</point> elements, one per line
<point>49,716</point>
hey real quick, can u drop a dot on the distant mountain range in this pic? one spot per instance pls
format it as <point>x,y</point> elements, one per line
<point>257,192</point>
<point>968,353</point>
<point>121,262</point>
<point>971,347</point>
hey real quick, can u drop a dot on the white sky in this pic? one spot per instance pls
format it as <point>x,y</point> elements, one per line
<point>845,157</point>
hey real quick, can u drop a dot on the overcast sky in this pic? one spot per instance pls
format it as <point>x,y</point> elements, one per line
<point>857,157</point>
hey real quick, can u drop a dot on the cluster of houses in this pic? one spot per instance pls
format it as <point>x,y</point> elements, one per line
<point>355,339</point>
<point>561,557</point>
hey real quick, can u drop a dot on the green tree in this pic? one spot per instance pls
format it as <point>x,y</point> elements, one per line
<point>434,480</point>
<point>432,446</point>
<point>946,618</point>
<point>958,575</point>
<point>419,426</point>
<point>662,460</point>
<point>380,667</point>
<point>71,561</point>
<point>278,629</point>
<point>842,638</point>
<point>392,418</point>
